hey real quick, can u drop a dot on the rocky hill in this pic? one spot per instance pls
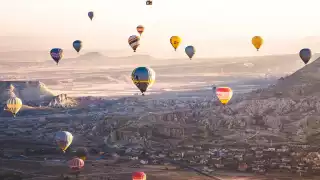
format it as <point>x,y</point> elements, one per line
<point>285,112</point>
<point>32,93</point>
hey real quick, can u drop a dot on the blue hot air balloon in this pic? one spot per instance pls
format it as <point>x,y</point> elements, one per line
<point>143,78</point>
<point>56,54</point>
<point>91,15</point>
<point>77,45</point>
<point>305,54</point>
<point>190,51</point>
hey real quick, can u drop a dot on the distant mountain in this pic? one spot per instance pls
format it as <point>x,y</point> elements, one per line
<point>303,82</point>
<point>140,57</point>
<point>91,56</point>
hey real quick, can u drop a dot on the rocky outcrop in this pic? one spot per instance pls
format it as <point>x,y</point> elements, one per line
<point>33,93</point>
<point>62,101</point>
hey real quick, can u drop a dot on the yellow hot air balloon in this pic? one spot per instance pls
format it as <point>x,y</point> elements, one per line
<point>175,42</point>
<point>224,94</point>
<point>14,104</point>
<point>257,42</point>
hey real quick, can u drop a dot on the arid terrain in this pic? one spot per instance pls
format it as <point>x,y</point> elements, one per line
<point>177,131</point>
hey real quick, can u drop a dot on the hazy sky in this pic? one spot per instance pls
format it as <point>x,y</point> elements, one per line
<point>214,27</point>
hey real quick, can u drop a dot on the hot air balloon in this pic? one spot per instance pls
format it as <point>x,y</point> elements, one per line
<point>257,42</point>
<point>190,51</point>
<point>91,15</point>
<point>63,139</point>
<point>134,42</point>
<point>82,153</point>
<point>56,54</point>
<point>77,45</point>
<point>14,104</point>
<point>140,29</point>
<point>139,176</point>
<point>76,163</point>
<point>175,42</point>
<point>143,78</point>
<point>149,2</point>
<point>224,94</point>
<point>305,54</point>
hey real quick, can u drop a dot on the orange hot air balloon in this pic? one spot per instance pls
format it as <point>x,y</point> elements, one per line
<point>139,176</point>
<point>224,94</point>
<point>140,29</point>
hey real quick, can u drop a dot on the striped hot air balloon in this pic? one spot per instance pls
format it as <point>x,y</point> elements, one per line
<point>140,29</point>
<point>134,42</point>
<point>76,164</point>
<point>224,94</point>
<point>14,105</point>
<point>139,176</point>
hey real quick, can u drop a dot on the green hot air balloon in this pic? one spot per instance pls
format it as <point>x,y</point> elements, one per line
<point>77,45</point>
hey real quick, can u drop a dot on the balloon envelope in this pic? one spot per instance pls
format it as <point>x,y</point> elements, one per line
<point>190,51</point>
<point>56,54</point>
<point>139,176</point>
<point>14,105</point>
<point>134,42</point>
<point>143,78</point>
<point>224,94</point>
<point>305,54</point>
<point>175,42</point>
<point>91,15</point>
<point>63,139</point>
<point>140,29</point>
<point>77,45</point>
<point>76,163</point>
<point>257,42</point>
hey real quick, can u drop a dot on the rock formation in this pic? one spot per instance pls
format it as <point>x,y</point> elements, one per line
<point>32,93</point>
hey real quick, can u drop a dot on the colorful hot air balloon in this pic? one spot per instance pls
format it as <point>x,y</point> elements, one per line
<point>134,42</point>
<point>14,104</point>
<point>140,29</point>
<point>139,176</point>
<point>190,51</point>
<point>224,94</point>
<point>63,139</point>
<point>56,54</point>
<point>175,42</point>
<point>305,54</point>
<point>82,153</point>
<point>257,42</point>
<point>91,15</point>
<point>76,164</point>
<point>77,45</point>
<point>143,78</point>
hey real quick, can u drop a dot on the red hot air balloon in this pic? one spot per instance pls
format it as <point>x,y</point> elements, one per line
<point>76,164</point>
<point>139,176</point>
